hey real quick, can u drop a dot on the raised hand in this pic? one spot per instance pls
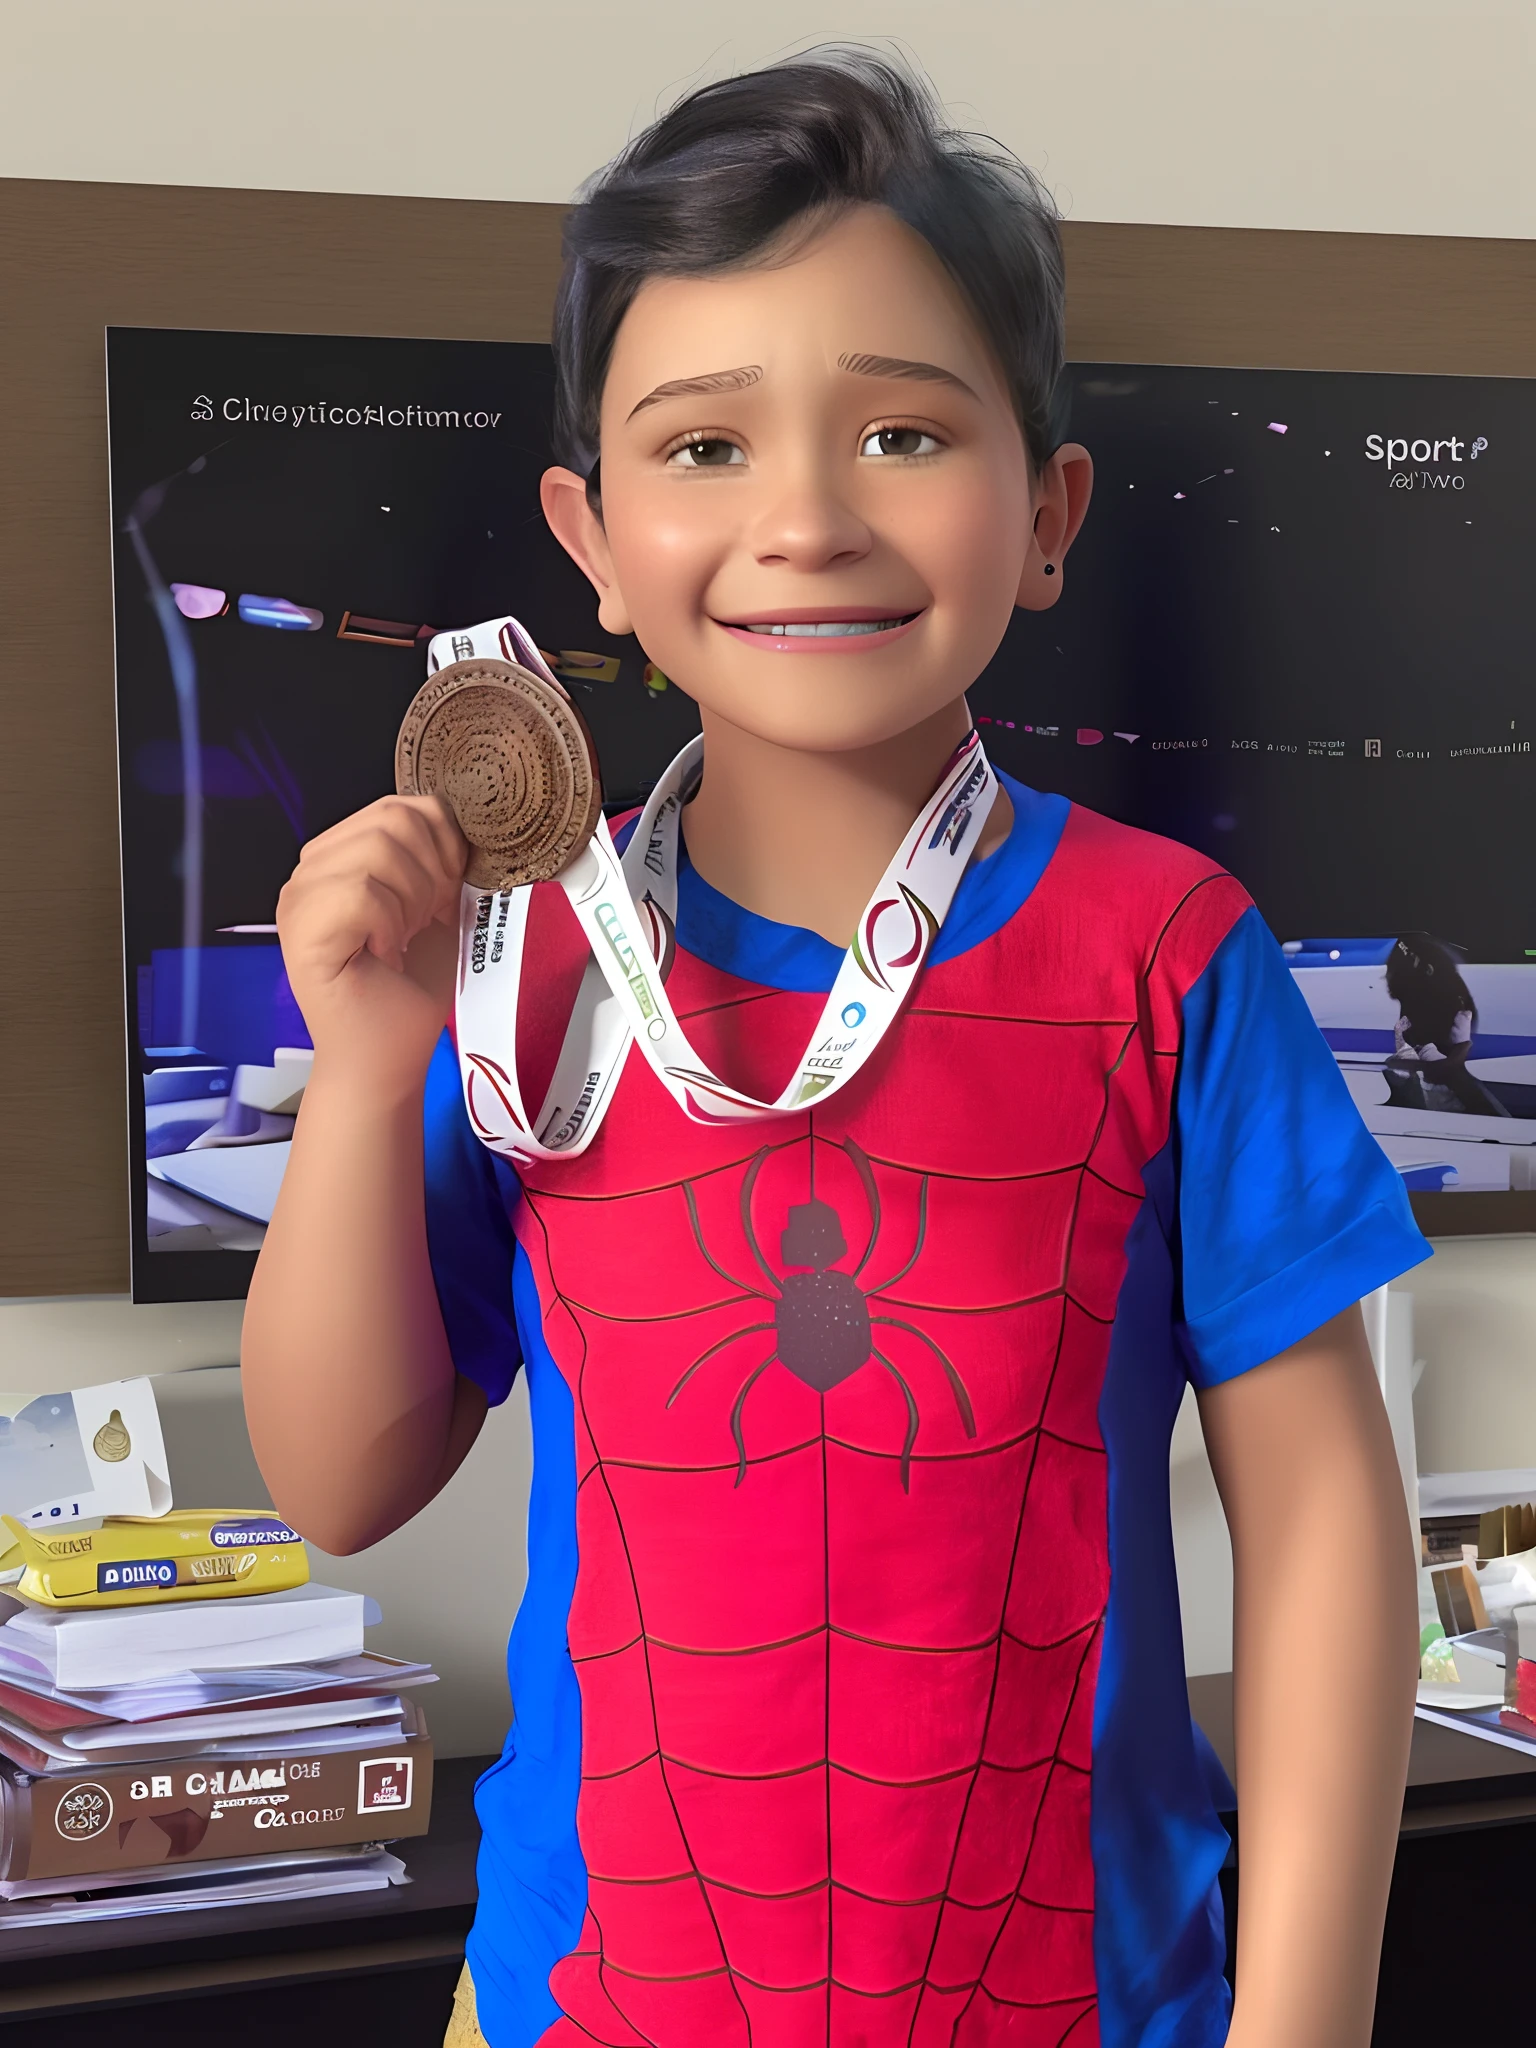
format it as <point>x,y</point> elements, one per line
<point>369,928</point>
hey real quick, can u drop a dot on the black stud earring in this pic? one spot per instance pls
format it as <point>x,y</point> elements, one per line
<point>1050,568</point>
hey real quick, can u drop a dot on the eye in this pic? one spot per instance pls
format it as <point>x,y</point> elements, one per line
<point>710,452</point>
<point>899,441</point>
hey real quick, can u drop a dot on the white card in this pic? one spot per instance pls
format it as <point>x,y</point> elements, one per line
<point>70,1457</point>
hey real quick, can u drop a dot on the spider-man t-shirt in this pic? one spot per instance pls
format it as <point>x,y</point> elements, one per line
<point>848,1682</point>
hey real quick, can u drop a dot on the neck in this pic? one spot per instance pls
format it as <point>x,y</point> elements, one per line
<point>803,838</point>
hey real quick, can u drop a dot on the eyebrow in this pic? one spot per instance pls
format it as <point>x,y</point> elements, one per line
<point>901,367</point>
<point>702,387</point>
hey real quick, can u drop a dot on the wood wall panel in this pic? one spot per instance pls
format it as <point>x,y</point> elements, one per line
<point>1255,297</point>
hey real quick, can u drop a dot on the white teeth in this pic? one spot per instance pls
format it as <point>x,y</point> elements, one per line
<point>828,628</point>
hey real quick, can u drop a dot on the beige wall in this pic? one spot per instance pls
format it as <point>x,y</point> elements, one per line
<point>1387,116</point>
<point>1409,118</point>
<point>1475,1328</point>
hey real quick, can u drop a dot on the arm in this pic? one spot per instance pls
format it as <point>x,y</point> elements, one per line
<point>356,1414</point>
<point>1305,1465</point>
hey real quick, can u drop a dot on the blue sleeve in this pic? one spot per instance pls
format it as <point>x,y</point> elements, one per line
<point>1288,1209</point>
<point>470,1194</point>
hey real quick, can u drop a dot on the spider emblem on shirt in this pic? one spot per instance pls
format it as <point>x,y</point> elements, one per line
<point>823,1325</point>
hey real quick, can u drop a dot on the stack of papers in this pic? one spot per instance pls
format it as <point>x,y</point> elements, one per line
<point>1475,1704</point>
<point>179,1754</point>
<point>241,1881</point>
<point>337,1705</point>
<point>89,1647</point>
<point>1486,1723</point>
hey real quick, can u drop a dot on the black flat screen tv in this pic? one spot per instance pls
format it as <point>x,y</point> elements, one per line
<point>1293,633</point>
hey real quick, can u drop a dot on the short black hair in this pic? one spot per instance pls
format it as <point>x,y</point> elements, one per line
<point>715,182</point>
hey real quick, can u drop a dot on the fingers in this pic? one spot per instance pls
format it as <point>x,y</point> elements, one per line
<point>326,922</point>
<point>411,842</point>
<point>417,818</point>
<point>423,823</point>
<point>371,884</point>
<point>452,846</point>
<point>372,855</point>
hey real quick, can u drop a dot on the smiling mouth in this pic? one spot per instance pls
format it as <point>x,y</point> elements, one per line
<point>829,629</point>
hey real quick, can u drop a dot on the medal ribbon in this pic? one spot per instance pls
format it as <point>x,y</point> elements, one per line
<point>627,909</point>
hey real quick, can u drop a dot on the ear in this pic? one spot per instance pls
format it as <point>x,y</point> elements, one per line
<point>1061,495</point>
<point>563,494</point>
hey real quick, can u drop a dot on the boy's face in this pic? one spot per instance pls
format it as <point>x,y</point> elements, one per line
<point>822,443</point>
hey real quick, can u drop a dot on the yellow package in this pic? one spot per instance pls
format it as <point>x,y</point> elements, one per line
<point>200,1554</point>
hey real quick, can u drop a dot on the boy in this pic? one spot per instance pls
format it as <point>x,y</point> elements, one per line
<point>849,1702</point>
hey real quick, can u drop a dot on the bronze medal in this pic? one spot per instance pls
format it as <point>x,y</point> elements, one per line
<point>510,755</point>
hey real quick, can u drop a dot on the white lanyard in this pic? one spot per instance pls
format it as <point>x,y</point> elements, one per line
<point>627,908</point>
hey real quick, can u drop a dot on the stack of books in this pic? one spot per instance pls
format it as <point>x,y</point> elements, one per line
<point>181,1742</point>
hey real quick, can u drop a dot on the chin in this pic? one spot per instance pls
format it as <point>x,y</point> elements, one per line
<point>825,706</point>
<point>827,729</point>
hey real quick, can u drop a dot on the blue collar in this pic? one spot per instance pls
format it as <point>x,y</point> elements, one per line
<point>783,956</point>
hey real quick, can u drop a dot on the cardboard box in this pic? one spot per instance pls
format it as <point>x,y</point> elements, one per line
<point>132,1816</point>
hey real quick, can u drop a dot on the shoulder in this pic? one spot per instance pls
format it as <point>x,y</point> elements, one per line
<point>1164,903</point>
<point>1151,867</point>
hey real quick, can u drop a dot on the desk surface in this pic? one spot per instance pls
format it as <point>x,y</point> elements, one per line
<point>1454,1781</point>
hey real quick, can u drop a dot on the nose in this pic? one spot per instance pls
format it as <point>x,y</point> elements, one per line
<point>808,524</point>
